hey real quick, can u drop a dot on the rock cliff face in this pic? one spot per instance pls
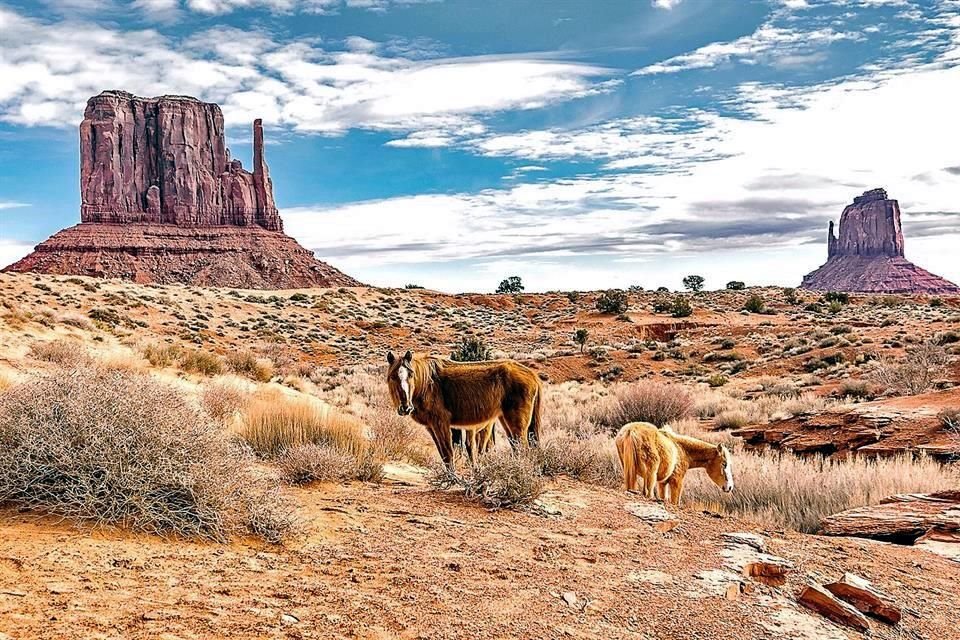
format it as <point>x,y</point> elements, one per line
<point>162,201</point>
<point>868,254</point>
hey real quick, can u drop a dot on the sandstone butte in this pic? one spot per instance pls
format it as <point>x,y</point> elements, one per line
<point>163,202</point>
<point>868,257</point>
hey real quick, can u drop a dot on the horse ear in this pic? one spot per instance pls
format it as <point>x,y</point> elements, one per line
<point>407,357</point>
<point>390,357</point>
<point>720,448</point>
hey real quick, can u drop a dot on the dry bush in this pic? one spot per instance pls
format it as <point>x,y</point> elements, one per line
<point>7,379</point>
<point>502,479</point>
<point>75,320</point>
<point>784,490</point>
<point>223,398</point>
<point>393,437</point>
<point>63,352</point>
<point>274,422</point>
<point>308,463</point>
<point>593,460</point>
<point>651,402</point>
<point>248,364</point>
<point>122,448</point>
<point>729,420</point>
<point>161,355</point>
<point>201,362</point>
<point>923,365</point>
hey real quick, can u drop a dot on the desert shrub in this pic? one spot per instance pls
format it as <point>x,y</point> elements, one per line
<point>840,329</point>
<point>662,305</point>
<point>274,422</point>
<point>835,307</point>
<point>246,363</point>
<point>836,296</point>
<point>201,362</point>
<point>923,365</point>
<point>393,437</point>
<point>580,337</point>
<point>310,462</point>
<point>122,448</point>
<point>502,479</point>
<point>681,307</point>
<point>613,301</point>
<point>471,349</point>
<point>223,398</point>
<point>946,337</point>
<point>731,420</point>
<point>62,352</point>
<point>950,418</point>
<point>644,401</point>
<point>784,490</point>
<point>717,380</point>
<point>105,316</point>
<point>790,296</point>
<point>754,304</point>
<point>513,284</point>
<point>728,343</point>
<point>859,389</point>
<point>75,320</point>
<point>593,460</point>
<point>936,303</point>
<point>736,285</point>
<point>161,355</point>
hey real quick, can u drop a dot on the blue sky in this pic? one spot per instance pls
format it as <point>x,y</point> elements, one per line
<point>578,144</point>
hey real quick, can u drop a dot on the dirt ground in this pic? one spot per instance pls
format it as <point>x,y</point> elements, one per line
<point>401,560</point>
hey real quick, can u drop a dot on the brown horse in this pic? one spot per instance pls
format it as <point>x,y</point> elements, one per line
<point>441,394</point>
<point>662,457</point>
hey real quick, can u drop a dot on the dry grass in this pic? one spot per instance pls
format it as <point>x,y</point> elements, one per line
<point>201,362</point>
<point>247,364</point>
<point>308,463</point>
<point>121,448</point>
<point>225,397</point>
<point>784,490</point>
<point>501,479</point>
<point>644,401</point>
<point>161,355</point>
<point>923,365</point>
<point>62,352</point>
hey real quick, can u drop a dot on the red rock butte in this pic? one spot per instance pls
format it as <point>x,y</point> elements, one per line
<point>162,201</point>
<point>868,256</point>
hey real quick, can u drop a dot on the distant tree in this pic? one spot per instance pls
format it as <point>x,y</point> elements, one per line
<point>573,296</point>
<point>681,307</point>
<point>635,288</point>
<point>662,290</point>
<point>613,301</point>
<point>790,295</point>
<point>580,337</point>
<point>513,284</point>
<point>694,283</point>
<point>736,285</point>
<point>413,286</point>
<point>471,349</point>
<point>754,304</point>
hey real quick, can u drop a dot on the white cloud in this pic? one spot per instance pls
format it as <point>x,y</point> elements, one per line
<point>767,44</point>
<point>12,205</point>
<point>50,69</point>
<point>12,250</point>
<point>745,195</point>
<point>665,4</point>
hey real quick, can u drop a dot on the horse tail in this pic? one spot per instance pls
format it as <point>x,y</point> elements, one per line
<point>533,433</point>
<point>627,448</point>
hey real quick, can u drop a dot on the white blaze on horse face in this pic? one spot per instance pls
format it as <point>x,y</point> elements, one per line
<point>728,474</point>
<point>403,375</point>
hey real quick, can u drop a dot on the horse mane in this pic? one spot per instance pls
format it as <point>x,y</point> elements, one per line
<point>692,446</point>
<point>425,370</point>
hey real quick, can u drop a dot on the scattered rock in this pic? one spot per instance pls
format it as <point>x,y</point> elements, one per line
<point>818,599</point>
<point>649,512</point>
<point>903,519</point>
<point>769,573</point>
<point>570,598</point>
<point>749,539</point>
<point>289,618</point>
<point>862,595</point>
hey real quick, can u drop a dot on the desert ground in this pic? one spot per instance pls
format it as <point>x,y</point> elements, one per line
<point>263,485</point>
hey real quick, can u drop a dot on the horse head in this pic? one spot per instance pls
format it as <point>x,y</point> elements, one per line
<point>400,380</point>
<point>720,469</point>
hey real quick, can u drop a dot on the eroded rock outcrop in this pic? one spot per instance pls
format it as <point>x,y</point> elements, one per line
<point>162,201</point>
<point>868,257</point>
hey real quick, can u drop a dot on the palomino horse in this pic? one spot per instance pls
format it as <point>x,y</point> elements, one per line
<point>662,457</point>
<point>476,442</point>
<point>440,394</point>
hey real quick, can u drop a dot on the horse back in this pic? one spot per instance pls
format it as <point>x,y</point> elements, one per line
<point>475,392</point>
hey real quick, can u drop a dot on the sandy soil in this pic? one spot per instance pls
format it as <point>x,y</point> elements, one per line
<point>401,560</point>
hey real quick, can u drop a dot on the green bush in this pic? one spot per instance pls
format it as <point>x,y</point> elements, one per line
<point>613,301</point>
<point>471,349</point>
<point>681,307</point>
<point>694,283</point>
<point>836,296</point>
<point>754,304</point>
<point>736,285</point>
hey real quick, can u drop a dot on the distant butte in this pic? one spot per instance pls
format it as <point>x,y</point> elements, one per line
<point>163,202</point>
<point>868,257</point>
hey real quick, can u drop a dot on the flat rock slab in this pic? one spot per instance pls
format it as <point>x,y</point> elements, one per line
<point>649,512</point>
<point>818,599</point>
<point>866,598</point>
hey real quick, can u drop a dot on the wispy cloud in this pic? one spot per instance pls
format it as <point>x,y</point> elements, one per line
<point>12,205</point>
<point>49,70</point>
<point>665,4</point>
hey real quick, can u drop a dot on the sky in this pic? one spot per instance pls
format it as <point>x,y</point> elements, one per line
<point>579,144</point>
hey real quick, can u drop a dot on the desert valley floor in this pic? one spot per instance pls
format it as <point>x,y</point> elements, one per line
<point>400,556</point>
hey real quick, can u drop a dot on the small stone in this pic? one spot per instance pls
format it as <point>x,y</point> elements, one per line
<point>289,618</point>
<point>570,598</point>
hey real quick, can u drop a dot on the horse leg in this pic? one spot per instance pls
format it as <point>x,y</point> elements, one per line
<point>676,489</point>
<point>663,489</point>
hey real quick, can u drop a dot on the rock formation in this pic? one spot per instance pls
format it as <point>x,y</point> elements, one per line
<point>868,254</point>
<point>162,201</point>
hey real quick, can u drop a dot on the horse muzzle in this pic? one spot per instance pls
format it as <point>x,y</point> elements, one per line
<point>728,488</point>
<point>405,411</point>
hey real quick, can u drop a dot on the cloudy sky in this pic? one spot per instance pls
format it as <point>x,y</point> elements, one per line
<point>576,143</point>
